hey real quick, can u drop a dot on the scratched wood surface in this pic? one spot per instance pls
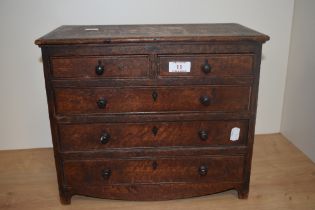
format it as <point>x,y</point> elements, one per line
<point>76,61</point>
<point>282,178</point>
<point>79,34</point>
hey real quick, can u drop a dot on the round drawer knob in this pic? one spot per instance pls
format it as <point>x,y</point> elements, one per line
<point>106,173</point>
<point>101,103</point>
<point>99,69</point>
<point>205,100</point>
<point>206,68</point>
<point>104,138</point>
<point>203,170</point>
<point>203,135</point>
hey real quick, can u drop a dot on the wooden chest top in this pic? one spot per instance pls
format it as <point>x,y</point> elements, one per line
<point>99,34</point>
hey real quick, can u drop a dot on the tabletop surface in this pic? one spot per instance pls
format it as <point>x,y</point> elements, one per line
<point>102,34</point>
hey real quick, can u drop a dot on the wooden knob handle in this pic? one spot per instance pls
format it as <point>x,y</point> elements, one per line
<point>106,173</point>
<point>203,135</point>
<point>99,69</point>
<point>105,138</point>
<point>205,100</point>
<point>206,68</point>
<point>203,170</point>
<point>101,103</point>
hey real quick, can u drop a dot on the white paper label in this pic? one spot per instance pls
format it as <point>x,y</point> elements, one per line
<point>235,134</point>
<point>179,66</point>
<point>91,29</point>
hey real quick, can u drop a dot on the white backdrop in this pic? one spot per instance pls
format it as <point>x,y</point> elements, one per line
<point>298,116</point>
<point>23,109</point>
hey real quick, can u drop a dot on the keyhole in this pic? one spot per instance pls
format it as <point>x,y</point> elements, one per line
<point>121,67</point>
<point>154,95</point>
<point>155,130</point>
<point>154,165</point>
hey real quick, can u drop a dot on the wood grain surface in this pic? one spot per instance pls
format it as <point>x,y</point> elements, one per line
<point>168,99</point>
<point>99,34</point>
<point>84,137</point>
<point>220,64</point>
<point>114,67</point>
<point>132,172</point>
<point>282,178</point>
<point>115,74</point>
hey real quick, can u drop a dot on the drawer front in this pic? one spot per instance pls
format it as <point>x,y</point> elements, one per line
<point>208,65</point>
<point>168,99</point>
<point>100,67</point>
<point>131,171</point>
<point>81,137</point>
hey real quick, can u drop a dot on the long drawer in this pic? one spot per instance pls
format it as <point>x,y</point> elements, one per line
<point>154,170</point>
<point>85,137</point>
<point>153,99</point>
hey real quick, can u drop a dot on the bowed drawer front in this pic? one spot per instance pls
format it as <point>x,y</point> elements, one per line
<point>155,170</point>
<point>152,112</point>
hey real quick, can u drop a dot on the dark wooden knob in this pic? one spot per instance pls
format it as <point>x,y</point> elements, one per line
<point>206,67</point>
<point>105,138</point>
<point>203,135</point>
<point>101,103</point>
<point>99,69</point>
<point>154,95</point>
<point>106,173</point>
<point>205,100</point>
<point>203,170</point>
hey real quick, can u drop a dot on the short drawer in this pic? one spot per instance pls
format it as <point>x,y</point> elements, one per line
<point>155,99</point>
<point>85,137</point>
<point>207,65</point>
<point>153,170</point>
<point>86,67</point>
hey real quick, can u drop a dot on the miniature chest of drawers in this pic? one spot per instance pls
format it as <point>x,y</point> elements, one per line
<point>152,112</point>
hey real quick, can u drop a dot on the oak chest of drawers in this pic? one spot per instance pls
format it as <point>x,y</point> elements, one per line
<point>152,112</point>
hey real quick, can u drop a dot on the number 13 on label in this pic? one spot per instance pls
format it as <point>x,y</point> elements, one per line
<point>179,66</point>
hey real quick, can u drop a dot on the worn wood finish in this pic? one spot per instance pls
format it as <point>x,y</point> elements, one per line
<point>165,191</point>
<point>221,65</point>
<point>153,152</point>
<point>112,102</point>
<point>83,137</point>
<point>168,99</point>
<point>114,67</point>
<point>155,170</point>
<point>100,34</point>
<point>158,48</point>
<point>161,117</point>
